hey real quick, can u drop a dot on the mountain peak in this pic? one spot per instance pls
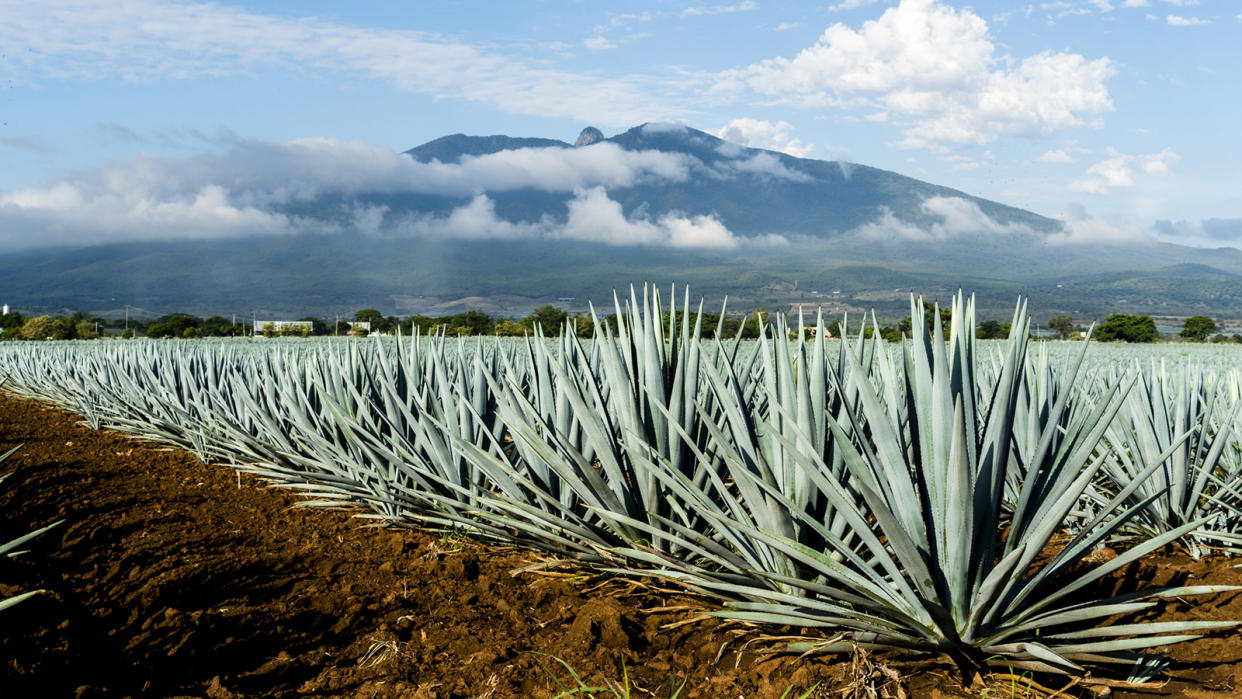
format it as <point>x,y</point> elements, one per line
<point>588,136</point>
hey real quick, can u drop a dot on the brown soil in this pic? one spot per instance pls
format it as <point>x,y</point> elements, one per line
<point>173,578</point>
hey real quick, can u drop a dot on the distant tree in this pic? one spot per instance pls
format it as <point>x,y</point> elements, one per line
<point>318,327</point>
<point>157,330</point>
<point>751,325</point>
<point>1198,328</point>
<point>42,328</point>
<point>992,330</point>
<point>1220,337</point>
<point>369,315</point>
<point>176,323</point>
<point>929,314</point>
<point>508,328</point>
<point>85,330</point>
<point>1127,328</point>
<point>423,324</point>
<point>1062,326</point>
<point>217,326</point>
<point>269,330</point>
<point>68,328</point>
<point>548,318</point>
<point>584,327</point>
<point>472,322</point>
<point>1236,338</point>
<point>127,334</point>
<point>191,333</point>
<point>12,320</point>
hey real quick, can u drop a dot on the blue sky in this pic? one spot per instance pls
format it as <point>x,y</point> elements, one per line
<point>1118,112</point>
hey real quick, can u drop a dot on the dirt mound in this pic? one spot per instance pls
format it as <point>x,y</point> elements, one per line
<point>173,578</point>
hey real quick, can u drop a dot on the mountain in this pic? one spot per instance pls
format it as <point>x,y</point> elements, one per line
<point>789,232</point>
<point>755,192</point>
<point>451,149</point>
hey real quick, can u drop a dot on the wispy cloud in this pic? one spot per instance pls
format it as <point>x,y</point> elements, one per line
<point>937,69</point>
<point>34,144</point>
<point>1210,232</point>
<point>1056,156</point>
<point>251,188</point>
<point>599,43</point>
<point>154,40</point>
<point>850,5</point>
<point>707,10</point>
<point>1178,21</point>
<point>956,216</point>
<point>756,133</point>
<point>1118,170</point>
<point>1079,228</point>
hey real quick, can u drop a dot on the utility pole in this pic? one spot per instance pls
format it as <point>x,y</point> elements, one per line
<point>126,317</point>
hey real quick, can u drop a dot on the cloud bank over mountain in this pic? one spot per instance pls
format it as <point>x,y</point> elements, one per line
<point>255,188</point>
<point>957,217</point>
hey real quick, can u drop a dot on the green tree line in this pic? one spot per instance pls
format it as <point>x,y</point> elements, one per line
<point>548,320</point>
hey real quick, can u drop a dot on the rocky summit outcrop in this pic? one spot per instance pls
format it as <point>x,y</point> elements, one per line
<point>588,136</point>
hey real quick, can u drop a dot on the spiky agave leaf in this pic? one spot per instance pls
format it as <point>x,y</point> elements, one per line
<point>1181,419</point>
<point>924,496</point>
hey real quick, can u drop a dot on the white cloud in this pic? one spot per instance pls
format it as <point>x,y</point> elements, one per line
<point>1207,233</point>
<point>64,215</point>
<point>785,26</point>
<point>958,217</point>
<point>593,216</point>
<point>1102,5</point>
<point>762,164</point>
<point>1183,3</point>
<point>250,188</point>
<point>599,43</point>
<point>1056,156</point>
<point>1081,229</point>
<point>1117,170</point>
<point>744,6</point>
<point>756,133</point>
<point>850,5</point>
<point>478,220</point>
<point>1176,21</point>
<point>1136,3</point>
<point>939,71</point>
<point>154,40</point>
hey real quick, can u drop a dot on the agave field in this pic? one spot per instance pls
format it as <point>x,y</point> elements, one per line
<point>942,495</point>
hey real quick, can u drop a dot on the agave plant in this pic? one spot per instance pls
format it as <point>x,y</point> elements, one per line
<point>1179,420</point>
<point>938,560</point>
<point>913,496</point>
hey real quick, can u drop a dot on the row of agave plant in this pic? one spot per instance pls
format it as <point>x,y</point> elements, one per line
<point>940,495</point>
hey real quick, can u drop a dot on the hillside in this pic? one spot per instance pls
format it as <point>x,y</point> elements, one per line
<point>841,235</point>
